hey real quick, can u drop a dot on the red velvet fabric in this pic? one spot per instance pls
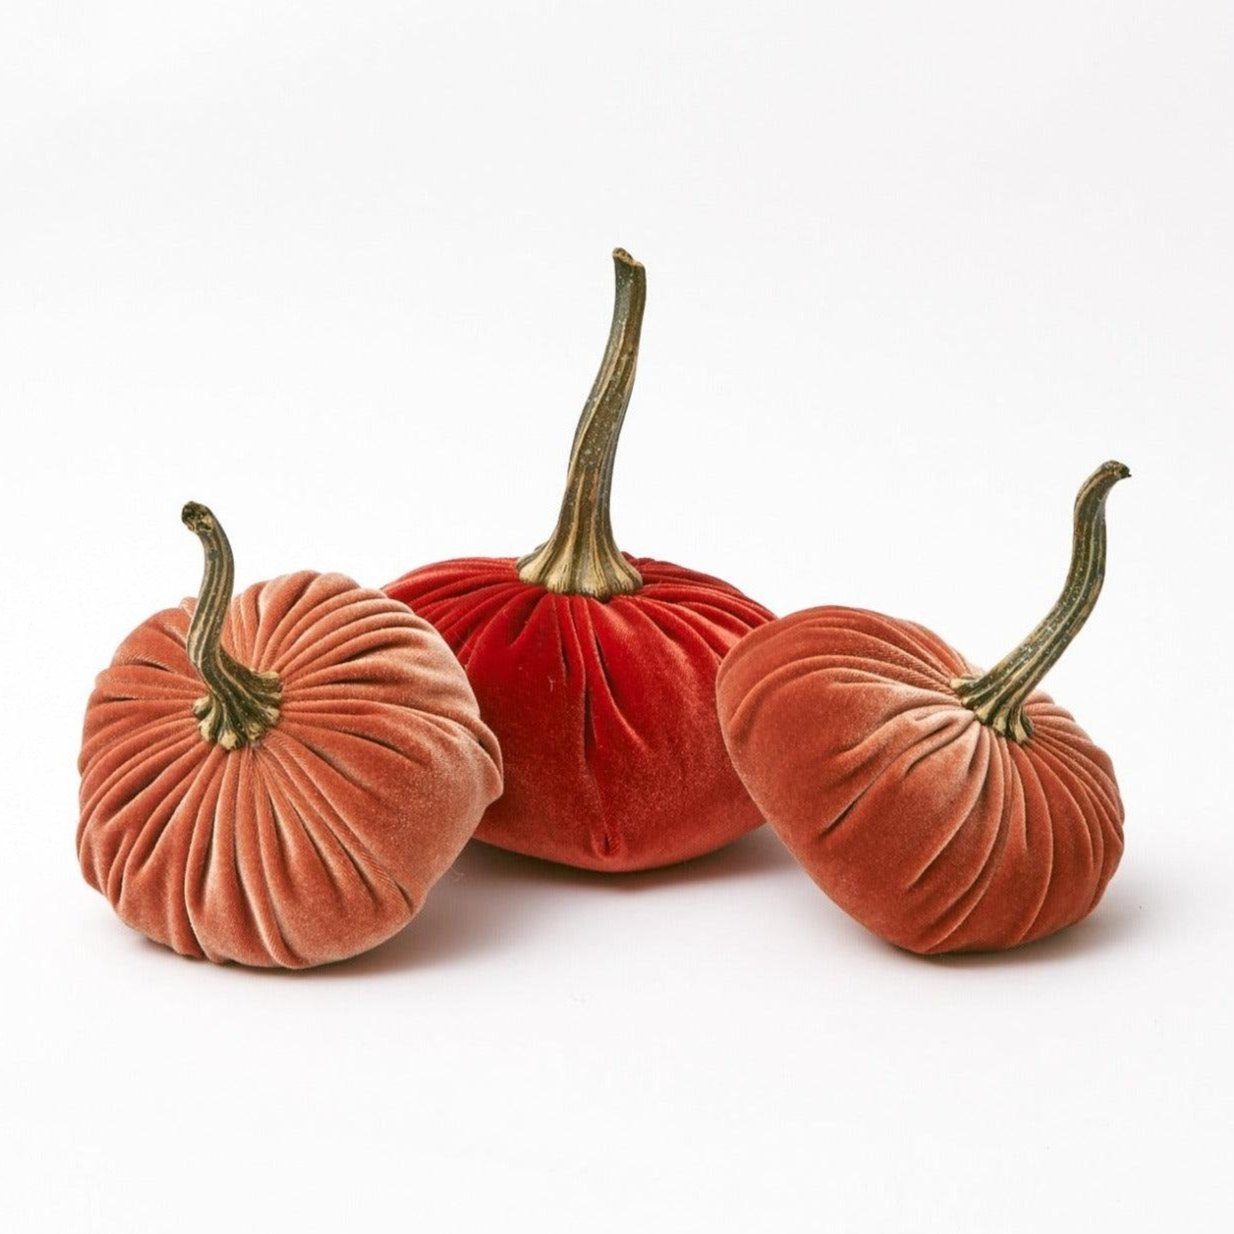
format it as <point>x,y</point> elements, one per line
<point>605,710</point>
<point>919,820</point>
<point>322,839</point>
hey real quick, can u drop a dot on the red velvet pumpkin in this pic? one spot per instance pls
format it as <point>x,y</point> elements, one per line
<point>597,670</point>
<point>293,815</point>
<point>945,809</point>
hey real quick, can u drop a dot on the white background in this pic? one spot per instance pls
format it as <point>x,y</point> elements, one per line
<point>343,273</point>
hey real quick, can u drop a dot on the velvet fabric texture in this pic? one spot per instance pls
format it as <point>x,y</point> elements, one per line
<point>604,709</point>
<point>322,839</point>
<point>922,822</point>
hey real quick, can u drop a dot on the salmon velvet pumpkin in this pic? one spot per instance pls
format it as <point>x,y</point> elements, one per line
<point>945,809</point>
<point>597,670</point>
<point>299,811</point>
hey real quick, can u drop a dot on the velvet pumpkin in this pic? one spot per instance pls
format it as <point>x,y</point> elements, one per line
<point>944,808</point>
<point>300,810</point>
<point>595,669</point>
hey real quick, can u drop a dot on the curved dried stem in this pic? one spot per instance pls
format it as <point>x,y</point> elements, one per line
<point>998,697</point>
<point>242,703</point>
<point>581,556</point>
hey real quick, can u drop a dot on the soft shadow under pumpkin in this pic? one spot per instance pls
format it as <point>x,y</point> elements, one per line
<point>493,901</point>
<point>1119,924</point>
<point>1124,915</point>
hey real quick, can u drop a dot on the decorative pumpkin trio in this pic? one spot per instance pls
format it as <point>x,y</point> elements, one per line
<point>279,778</point>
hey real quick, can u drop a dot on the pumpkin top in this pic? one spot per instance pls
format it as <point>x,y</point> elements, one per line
<point>300,811</point>
<point>996,697</point>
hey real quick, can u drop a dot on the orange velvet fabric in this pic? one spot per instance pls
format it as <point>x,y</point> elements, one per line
<point>605,710</point>
<point>322,839</point>
<point>915,817</point>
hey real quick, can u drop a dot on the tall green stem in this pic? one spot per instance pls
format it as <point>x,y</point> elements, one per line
<point>998,697</point>
<point>581,556</point>
<point>241,704</point>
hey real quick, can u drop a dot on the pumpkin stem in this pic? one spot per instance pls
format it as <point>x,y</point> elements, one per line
<point>241,703</point>
<point>581,556</point>
<point>998,697</point>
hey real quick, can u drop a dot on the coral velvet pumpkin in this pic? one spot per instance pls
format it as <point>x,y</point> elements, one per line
<point>597,670</point>
<point>944,809</point>
<point>294,815</point>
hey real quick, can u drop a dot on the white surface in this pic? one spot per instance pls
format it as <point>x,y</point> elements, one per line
<point>914,271</point>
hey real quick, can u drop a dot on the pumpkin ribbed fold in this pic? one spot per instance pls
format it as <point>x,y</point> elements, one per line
<point>923,823</point>
<point>324,838</point>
